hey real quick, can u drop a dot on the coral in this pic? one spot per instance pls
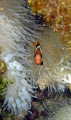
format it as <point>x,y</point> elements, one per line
<point>63,114</point>
<point>3,68</point>
<point>58,14</point>
<point>34,115</point>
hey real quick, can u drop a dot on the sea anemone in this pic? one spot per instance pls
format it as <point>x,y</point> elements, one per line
<point>15,35</point>
<point>18,33</point>
<point>55,71</point>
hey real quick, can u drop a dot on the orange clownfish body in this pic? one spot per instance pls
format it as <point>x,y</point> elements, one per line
<point>38,54</point>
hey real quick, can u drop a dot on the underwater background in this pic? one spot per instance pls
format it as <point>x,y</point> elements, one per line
<point>29,91</point>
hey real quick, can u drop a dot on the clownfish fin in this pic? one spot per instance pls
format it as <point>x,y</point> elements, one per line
<point>41,55</point>
<point>41,63</point>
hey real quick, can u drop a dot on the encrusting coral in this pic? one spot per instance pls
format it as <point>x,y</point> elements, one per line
<point>58,14</point>
<point>3,68</point>
<point>63,113</point>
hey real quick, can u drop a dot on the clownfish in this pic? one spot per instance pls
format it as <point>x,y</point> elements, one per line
<point>38,54</point>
